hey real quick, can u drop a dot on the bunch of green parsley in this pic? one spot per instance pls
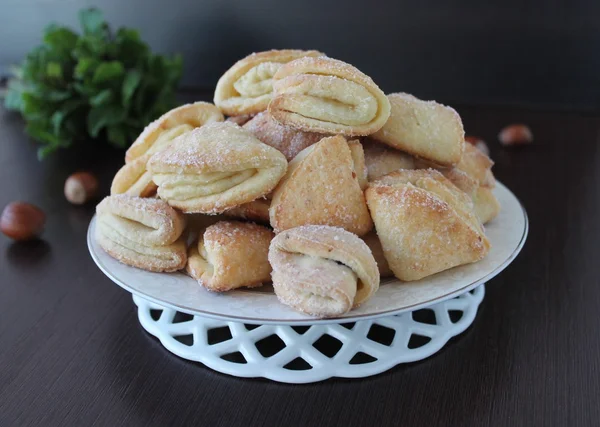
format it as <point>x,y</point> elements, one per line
<point>94,85</point>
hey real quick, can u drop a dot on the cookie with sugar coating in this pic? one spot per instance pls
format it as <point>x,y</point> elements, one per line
<point>321,188</point>
<point>162,131</point>
<point>381,159</point>
<point>288,140</point>
<point>425,223</point>
<point>477,165</point>
<point>141,232</point>
<point>134,179</point>
<point>247,87</point>
<point>461,179</point>
<point>487,207</point>
<point>231,255</point>
<point>214,168</point>
<point>473,162</point>
<point>328,96</point>
<point>425,129</point>
<point>358,162</point>
<point>322,271</point>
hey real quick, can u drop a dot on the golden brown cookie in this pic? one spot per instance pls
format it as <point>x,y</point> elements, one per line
<point>321,188</point>
<point>231,255</point>
<point>381,159</point>
<point>247,87</point>
<point>322,271</point>
<point>286,139</point>
<point>477,165</point>
<point>423,128</point>
<point>320,94</point>
<point>214,168</point>
<point>461,179</point>
<point>134,179</point>
<point>487,206</point>
<point>358,162</point>
<point>141,232</point>
<point>170,125</point>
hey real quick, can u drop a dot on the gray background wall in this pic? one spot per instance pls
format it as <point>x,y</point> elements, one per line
<point>543,53</point>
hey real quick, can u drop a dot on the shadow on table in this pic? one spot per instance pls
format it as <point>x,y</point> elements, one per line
<point>28,254</point>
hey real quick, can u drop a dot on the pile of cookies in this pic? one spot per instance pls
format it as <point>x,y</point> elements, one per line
<point>306,174</point>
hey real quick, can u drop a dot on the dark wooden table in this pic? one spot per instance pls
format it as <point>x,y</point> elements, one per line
<point>72,351</point>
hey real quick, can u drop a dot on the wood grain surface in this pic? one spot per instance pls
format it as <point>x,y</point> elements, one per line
<point>72,352</point>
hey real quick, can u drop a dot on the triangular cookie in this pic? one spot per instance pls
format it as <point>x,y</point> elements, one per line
<point>487,207</point>
<point>423,128</point>
<point>321,188</point>
<point>425,223</point>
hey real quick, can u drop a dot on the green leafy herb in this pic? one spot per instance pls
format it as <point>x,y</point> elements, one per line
<point>94,85</point>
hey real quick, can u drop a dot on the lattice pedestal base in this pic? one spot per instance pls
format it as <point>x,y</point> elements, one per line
<point>305,354</point>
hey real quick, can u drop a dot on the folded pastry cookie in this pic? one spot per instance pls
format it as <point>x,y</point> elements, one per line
<point>214,168</point>
<point>423,128</point>
<point>489,180</point>
<point>473,174</point>
<point>474,164</point>
<point>425,223</point>
<point>461,179</point>
<point>247,87</point>
<point>487,206</point>
<point>372,241</point>
<point>170,125</point>
<point>328,96</point>
<point>256,210</point>
<point>321,187</point>
<point>381,159</point>
<point>477,165</point>
<point>322,271</point>
<point>134,179</point>
<point>143,233</point>
<point>286,139</point>
<point>230,255</point>
<point>358,163</point>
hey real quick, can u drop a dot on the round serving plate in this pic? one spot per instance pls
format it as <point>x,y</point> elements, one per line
<point>507,234</point>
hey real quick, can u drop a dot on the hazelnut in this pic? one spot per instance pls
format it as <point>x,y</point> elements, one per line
<point>22,221</point>
<point>516,134</point>
<point>478,143</point>
<point>81,187</point>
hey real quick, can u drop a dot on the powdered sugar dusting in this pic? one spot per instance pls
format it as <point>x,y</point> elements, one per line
<point>288,140</point>
<point>321,188</point>
<point>215,147</point>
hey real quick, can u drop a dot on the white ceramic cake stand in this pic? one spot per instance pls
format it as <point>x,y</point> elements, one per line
<point>308,354</point>
<point>248,333</point>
